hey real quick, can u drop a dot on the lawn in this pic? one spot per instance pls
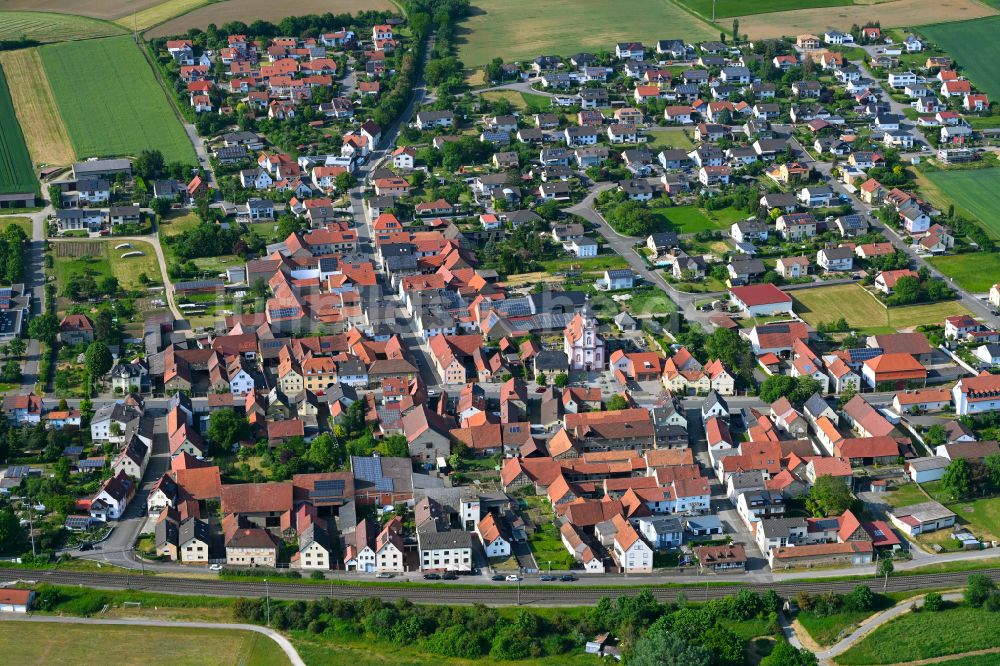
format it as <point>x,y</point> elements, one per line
<point>547,546</point>
<point>673,137</point>
<point>916,636</point>
<point>28,643</point>
<point>23,222</point>
<point>975,272</point>
<point>102,259</point>
<point>905,495</point>
<point>927,313</point>
<point>598,263</point>
<point>974,46</point>
<point>44,132</point>
<point>692,219</point>
<point>982,516</point>
<point>730,8</point>
<point>524,29</point>
<point>16,173</point>
<point>128,269</point>
<point>79,257</point>
<point>52,27</point>
<point>975,190</point>
<point>111,102</point>
<point>649,300</point>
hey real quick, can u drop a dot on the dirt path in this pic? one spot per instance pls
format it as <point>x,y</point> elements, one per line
<point>948,658</point>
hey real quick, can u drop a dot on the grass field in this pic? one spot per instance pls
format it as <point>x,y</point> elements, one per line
<point>863,312</point>
<point>524,29</point>
<point>49,27</point>
<point>44,131</point>
<point>691,219</point>
<point>128,269</point>
<point>974,46</point>
<point>27,643</point>
<point>975,271</point>
<point>78,257</point>
<point>158,14</point>
<point>264,10</point>
<point>730,8</point>
<point>889,14</point>
<point>23,222</point>
<point>975,190</point>
<point>916,636</point>
<point>110,101</point>
<point>528,102</point>
<point>673,137</point>
<point>16,173</point>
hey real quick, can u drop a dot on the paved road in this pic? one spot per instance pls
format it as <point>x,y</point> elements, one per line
<point>283,643</point>
<point>34,278</point>
<point>199,148</point>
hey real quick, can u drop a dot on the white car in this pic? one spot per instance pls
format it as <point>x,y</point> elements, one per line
<point>512,578</point>
<point>215,567</point>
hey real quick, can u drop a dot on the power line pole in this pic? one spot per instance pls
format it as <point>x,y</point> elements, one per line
<point>267,596</point>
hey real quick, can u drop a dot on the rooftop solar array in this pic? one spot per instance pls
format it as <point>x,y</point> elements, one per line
<point>328,490</point>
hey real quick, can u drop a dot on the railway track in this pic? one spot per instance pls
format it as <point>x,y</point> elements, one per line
<point>528,594</point>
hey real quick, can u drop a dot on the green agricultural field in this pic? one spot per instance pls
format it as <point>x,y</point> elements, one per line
<point>110,101</point>
<point>917,636</point>
<point>974,46</point>
<point>974,271</point>
<point>524,29</point>
<point>30,643</point>
<point>16,174</point>
<point>691,219</point>
<point>975,190</point>
<point>51,27</point>
<point>730,8</point>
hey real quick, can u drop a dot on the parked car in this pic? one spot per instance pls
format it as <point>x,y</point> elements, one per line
<point>498,577</point>
<point>546,578</point>
<point>215,567</point>
<point>432,576</point>
<point>86,546</point>
<point>512,578</point>
<point>449,576</point>
<point>383,574</point>
<point>568,578</point>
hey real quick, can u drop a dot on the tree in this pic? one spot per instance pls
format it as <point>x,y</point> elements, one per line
<point>957,479</point>
<point>726,647</point>
<point>786,654</point>
<point>830,496</point>
<point>11,372</point>
<point>935,436</point>
<point>394,446</point>
<point>344,181</point>
<point>160,206</point>
<point>933,602</point>
<point>979,588</point>
<point>736,30</point>
<point>662,647</point>
<point>226,428</point>
<point>616,402</point>
<point>991,464</point>
<point>44,328</point>
<point>541,379</point>
<point>17,347</point>
<point>726,345</point>
<point>775,386</point>
<point>561,380</point>
<point>885,569</point>
<point>148,164</point>
<point>861,598</point>
<point>325,452</point>
<point>11,533</point>
<point>99,359</point>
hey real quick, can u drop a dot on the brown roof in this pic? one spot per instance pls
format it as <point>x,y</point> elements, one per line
<point>257,498</point>
<point>199,482</point>
<point>708,555</point>
<point>625,423</point>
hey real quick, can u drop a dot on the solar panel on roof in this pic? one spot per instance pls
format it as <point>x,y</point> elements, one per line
<point>328,489</point>
<point>77,522</point>
<point>17,471</point>
<point>862,354</point>
<point>367,469</point>
<point>384,485</point>
<point>281,313</point>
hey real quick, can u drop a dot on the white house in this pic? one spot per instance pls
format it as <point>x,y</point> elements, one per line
<point>492,533</point>
<point>974,395</point>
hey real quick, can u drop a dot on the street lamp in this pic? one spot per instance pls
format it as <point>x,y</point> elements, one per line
<point>267,596</point>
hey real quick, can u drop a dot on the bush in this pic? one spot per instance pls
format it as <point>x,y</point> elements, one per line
<point>979,589</point>
<point>317,575</point>
<point>933,602</point>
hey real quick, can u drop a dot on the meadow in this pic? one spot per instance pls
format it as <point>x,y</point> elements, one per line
<point>524,29</point>
<point>975,190</point>
<point>49,27</point>
<point>974,46</point>
<point>730,8</point>
<point>975,271</point>
<point>102,259</point>
<point>111,102</point>
<point>890,14</point>
<point>31,643</point>
<point>691,219</point>
<point>44,131</point>
<point>916,636</point>
<point>16,174</point>
<point>863,312</point>
<point>158,14</point>
<point>263,10</point>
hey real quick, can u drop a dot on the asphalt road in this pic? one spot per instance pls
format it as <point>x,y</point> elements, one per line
<point>506,594</point>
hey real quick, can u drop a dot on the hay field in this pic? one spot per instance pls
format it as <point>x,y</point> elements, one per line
<point>523,29</point>
<point>158,14</point>
<point>264,10</point>
<point>46,136</point>
<point>890,14</point>
<point>101,9</point>
<point>47,27</point>
<point>111,102</point>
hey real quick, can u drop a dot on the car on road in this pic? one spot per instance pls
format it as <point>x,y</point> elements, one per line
<point>498,577</point>
<point>449,576</point>
<point>215,567</point>
<point>86,546</point>
<point>432,576</point>
<point>383,574</point>
<point>512,578</point>
<point>546,578</point>
<point>568,578</point>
